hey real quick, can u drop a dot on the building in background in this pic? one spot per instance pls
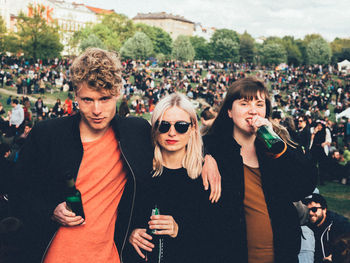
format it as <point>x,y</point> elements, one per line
<point>69,16</point>
<point>173,24</point>
<point>205,32</point>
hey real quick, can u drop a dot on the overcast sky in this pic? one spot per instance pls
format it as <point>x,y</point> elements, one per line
<point>330,18</point>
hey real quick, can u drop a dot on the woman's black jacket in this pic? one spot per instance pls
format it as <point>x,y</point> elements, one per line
<point>284,180</point>
<point>52,148</point>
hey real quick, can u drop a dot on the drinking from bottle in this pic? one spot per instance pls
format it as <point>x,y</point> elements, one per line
<point>271,140</point>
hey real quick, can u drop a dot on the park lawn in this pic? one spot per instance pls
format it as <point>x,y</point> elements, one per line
<point>3,99</point>
<point>337,196</point>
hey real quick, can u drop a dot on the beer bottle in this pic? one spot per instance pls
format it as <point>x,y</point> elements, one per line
<point>157,254</point>
<point>271,140</point>
<point>73,196</point>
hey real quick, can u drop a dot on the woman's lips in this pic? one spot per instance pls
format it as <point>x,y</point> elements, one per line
<point>171,141</point>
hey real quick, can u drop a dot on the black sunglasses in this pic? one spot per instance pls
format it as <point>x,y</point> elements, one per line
<point>180,126</point>
<point>315,208</point>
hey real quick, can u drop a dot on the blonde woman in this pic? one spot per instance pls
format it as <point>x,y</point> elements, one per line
<point>174,186</point>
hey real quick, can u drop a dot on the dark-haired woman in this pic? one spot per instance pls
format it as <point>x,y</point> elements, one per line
<point>320,141</point>
<point>256,219</point>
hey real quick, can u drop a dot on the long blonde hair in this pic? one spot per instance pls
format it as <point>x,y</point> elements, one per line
<point>193,158</point>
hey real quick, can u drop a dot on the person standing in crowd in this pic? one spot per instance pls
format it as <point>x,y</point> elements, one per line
<point>326,225</point>
<point>68,105</point>
<point>258,221</point>
<point>303,133</point>
<point>16,117</point>
<point>39,106</point>
<point>319,148</point>
<point>57,109</point>
<point>124,108</point>
<point>174,187</point>
<point>108,157</point>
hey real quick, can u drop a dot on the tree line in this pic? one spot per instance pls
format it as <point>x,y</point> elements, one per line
<point>37,39</point>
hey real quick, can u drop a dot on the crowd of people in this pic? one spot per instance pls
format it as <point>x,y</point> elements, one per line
<point>302,98</point>
<point>124,167</point>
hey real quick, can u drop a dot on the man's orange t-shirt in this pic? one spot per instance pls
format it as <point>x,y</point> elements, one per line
<point>101,181</point>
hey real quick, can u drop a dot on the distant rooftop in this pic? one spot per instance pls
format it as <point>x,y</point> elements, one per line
<point>100,11</point>
<point>161,15</point>
<point>69,5</point>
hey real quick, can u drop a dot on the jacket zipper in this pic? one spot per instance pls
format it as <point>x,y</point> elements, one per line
<point>133,202</point>
<point>322,245</point>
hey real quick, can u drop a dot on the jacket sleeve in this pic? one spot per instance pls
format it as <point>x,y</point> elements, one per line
<point>294,176</point>
<point>28,194</point>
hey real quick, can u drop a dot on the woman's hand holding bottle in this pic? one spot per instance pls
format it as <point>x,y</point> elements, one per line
<point>164,225</point>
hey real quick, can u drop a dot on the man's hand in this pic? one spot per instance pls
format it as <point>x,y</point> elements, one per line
<point>65,217</point>
<point>328,259</point>
<point>211,175</point>
<point>139,239</point>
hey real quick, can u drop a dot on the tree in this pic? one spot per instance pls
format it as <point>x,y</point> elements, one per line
<point>318,52</point>
<point>37,38</point>
<point>308,38</point>
<point>273,54</point>
<point>340,49</point>
<point>161,40</point>
<point>201,48</point>
<point>273,40</point>
<point>225,45</point>
<point>91,41</point>
<point>113,31</point>
<point>183,49</point>
<point>137,47</point>
<point>2,34</point>
<point>294,56</point>
<point>224,33</point>
<point>246,48</point>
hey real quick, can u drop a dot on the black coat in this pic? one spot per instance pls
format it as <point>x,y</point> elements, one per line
<point>54,146</point>
<point>284,180</point>
<point>176,194</point>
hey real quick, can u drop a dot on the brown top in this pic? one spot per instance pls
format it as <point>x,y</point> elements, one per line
<point>101,181</point>
<point>259,231</point>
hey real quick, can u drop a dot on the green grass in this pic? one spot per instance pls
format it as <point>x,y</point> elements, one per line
<point>337,196</point>
<point>3,99</point>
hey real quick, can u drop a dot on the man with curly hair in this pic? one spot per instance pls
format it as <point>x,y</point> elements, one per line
<point>109,157</point>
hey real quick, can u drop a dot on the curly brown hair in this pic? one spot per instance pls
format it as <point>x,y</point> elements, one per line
<point>98,68</point>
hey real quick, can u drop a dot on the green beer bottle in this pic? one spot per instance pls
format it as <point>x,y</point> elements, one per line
<point>157,254</point>
<point>271,140</point>
<point>73,196</point>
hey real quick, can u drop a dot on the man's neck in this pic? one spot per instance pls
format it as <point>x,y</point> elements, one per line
<point>88,135</point>
<point>322,221</point>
